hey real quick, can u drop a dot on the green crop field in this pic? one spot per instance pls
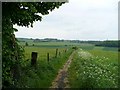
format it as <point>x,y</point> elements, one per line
<point>52,43</point>
<point>42,52</point>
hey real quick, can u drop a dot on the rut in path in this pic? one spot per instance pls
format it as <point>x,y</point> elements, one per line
<point>61,80</point>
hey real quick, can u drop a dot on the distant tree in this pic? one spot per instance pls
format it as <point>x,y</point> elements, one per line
<point>108,43</point>
<point>22,14</point>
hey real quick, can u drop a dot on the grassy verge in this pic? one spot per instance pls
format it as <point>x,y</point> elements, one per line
<point>93,72</point>
<point>43,75</point>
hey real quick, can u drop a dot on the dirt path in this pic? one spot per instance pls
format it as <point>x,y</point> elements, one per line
<point>61,80</point>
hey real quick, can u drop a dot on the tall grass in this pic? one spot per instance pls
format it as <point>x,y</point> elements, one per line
<point>93,72</point>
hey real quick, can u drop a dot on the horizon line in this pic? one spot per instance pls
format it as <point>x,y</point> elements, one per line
<point>71,39</point>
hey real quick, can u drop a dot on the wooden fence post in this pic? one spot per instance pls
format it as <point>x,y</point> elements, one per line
<point>48,57</point>
<point>59,53</point>
<point>33,58</point>
<point>65,50</point>
<point>56,52</point>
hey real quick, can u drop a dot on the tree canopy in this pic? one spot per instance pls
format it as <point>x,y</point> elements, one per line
<point>24,13</point>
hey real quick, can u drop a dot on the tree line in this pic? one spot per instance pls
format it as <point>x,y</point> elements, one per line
<point>109,43</point>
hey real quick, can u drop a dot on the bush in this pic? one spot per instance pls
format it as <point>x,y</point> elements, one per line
<point>75,47</point>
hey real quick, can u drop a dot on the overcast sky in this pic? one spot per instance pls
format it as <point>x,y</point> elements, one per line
<point>78,19</point>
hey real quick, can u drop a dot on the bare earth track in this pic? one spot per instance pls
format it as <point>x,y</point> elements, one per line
<point>61,80</point>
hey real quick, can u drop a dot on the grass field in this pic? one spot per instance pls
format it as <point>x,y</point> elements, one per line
<point>42,52</point>
<point>42,75</point>
<point>94,67</point>
<point>52,43</point>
